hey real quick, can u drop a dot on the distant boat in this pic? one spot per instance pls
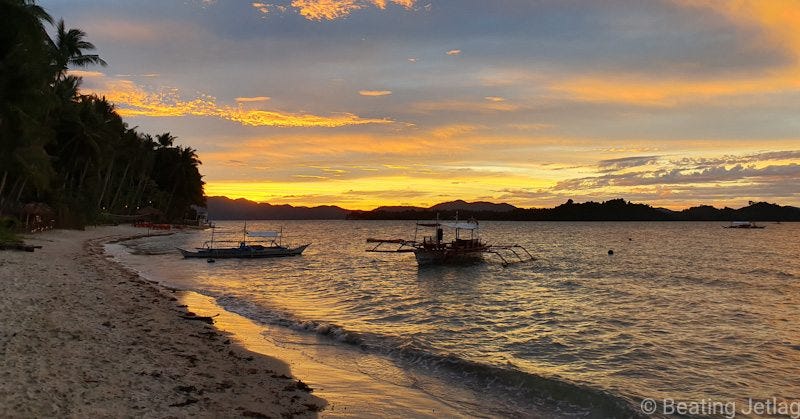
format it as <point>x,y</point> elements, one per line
<point>267,245</point>
<point>435,250</point>
<point>743,224</point>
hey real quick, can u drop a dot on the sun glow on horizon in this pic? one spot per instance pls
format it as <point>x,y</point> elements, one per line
<point>313,102</point>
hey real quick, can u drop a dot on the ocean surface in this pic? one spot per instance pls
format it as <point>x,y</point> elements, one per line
<point>680,311</point>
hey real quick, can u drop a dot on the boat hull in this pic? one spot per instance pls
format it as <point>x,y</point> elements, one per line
<point>248,252</point>
<point>447,256</point>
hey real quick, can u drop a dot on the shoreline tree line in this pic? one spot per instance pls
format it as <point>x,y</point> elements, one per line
<point>71,153</point>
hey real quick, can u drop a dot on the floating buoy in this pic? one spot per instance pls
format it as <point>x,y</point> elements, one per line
<point>610,252</point>
<point>210,260</point>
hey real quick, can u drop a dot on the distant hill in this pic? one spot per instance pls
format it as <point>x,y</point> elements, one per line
<point>223,208</point>
<point>612,210</point>
<point>480,206</point>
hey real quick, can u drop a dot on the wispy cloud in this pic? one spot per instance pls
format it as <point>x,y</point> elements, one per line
<point>776,21</point>
<point>87,74</point>
<point>769,167</point>
<point>453,52</point>
<point>465,106</point>
<point>252,99</point>
<point>133,100</point>
<point>262,8</point>
<point>374,92</point>
<point>625,162</point>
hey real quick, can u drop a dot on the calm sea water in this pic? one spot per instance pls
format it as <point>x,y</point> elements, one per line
<point>683,311</point>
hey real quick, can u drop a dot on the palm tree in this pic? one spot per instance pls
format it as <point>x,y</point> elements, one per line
<point>24,96</point>
<point>68,50</point>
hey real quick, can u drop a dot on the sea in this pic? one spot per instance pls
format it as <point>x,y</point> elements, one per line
<point>610,319</point>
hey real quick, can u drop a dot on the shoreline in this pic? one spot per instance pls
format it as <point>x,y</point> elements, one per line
<point>345,376</point>
<point>85,336</point>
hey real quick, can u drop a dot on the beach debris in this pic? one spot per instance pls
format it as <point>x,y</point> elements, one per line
<point>610,252</point>
<point>18,246</point>
<point>204,319</point>
<point>313,408</point>
<point>186,389</point>
<point>184,403</point>
<point>303,386</point>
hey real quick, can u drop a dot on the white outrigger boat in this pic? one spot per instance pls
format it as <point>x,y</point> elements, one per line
<point>435,250</point>
<point>267,245</point>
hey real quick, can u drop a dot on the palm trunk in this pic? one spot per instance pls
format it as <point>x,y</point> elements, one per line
<point>22,188</point>
<point>171,195</point>
<point>2,186</point>
<point>140,187</point>
<point>121,184</point>
<point>83,175</point>
<point>105,183</point>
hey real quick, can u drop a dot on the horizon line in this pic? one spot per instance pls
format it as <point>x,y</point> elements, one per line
<point>750,203</point>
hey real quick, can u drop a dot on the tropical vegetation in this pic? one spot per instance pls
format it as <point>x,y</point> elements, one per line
<point>72,152</point>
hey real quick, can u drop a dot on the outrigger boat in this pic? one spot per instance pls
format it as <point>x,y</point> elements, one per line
<point>435,250</point>
<point>743,224</point>
<point>267,245</point>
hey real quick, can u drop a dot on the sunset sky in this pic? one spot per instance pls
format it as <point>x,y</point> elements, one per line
<point>361,103</point>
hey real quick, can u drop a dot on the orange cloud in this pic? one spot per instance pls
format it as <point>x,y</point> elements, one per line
<point>263,8</point>
<point>337,9</point>
<point>405,3</point>
<point>778,20</point>
<point>374,92</point>
<point>86,73</point>
<point>455,130</point>
<point>132,100</point>
<point>325,9</point>
<point>453,52</point>
<point>252,99</point>
<point>465,106</point>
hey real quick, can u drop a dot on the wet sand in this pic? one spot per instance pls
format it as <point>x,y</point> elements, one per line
<point>82,336</point>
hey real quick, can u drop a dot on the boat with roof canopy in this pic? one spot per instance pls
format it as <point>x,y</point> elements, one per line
<point>466,245</point>
<point>261,244</point>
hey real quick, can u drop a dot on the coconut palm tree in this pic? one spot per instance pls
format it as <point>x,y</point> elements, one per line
<point>68,50</point>
<point>24,97</point>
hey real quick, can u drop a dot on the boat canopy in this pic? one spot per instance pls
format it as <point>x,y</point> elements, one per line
<point>462,225</point>
<point>265,234</point>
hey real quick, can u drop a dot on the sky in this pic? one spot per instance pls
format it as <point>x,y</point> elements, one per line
<point>362,103</point>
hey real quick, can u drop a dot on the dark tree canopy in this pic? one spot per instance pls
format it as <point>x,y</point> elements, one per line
<point>73,151</point>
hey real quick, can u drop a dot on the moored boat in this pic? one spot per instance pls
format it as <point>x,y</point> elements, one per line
<point>267,244</point>
<point>465,247</point>
<point>743,224</point>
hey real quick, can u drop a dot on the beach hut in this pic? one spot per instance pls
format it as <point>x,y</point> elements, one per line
<point>38,216</point>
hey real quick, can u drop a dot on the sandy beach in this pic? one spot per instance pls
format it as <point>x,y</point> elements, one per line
<point>81,336</point>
